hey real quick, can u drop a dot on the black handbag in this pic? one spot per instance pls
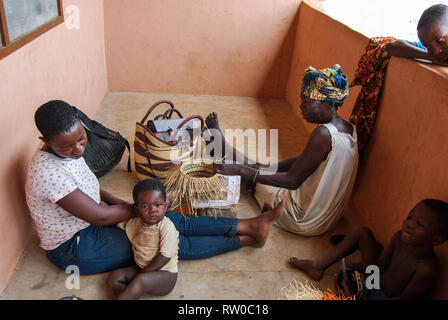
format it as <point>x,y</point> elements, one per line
<point>105,147</point>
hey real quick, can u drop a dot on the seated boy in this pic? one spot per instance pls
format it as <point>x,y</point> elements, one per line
<point>409,267</point>
<point>154,241</point>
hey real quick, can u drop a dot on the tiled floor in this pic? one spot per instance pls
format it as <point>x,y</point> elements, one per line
<point>248,273</point>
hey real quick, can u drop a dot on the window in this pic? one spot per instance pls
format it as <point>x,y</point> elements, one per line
<point>21,21</point>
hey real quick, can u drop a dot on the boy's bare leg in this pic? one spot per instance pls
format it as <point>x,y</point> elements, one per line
<point>120,278</point>
<point>156,283</point>
<point>361,239</point>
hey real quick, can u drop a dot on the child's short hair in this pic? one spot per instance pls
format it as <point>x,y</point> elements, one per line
<point>440,208</point>
<point>148,184</point>
<point>433,13</point>
<point>55,117</point>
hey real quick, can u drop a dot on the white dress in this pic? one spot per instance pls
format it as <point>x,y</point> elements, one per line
<point>318,204</point>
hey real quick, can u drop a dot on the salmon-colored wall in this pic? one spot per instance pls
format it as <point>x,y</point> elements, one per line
<point>322,42</point>
<point>405,160</point>
<point>225,47</point>
<point>60,64</point>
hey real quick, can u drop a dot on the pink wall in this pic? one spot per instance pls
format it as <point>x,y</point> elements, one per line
<point>226,47</point>
<point>321,49</point>
<point>405,160</point>
<point>60,64</point>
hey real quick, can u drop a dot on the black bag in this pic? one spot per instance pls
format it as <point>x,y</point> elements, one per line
<point>105,147</point>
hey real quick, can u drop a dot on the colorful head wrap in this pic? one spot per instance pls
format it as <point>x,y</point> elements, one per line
<point>329,84</point>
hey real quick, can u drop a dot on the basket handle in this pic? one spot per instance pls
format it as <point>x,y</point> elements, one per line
<point>154,106</point>
<point>195,116</point>
<point>168,116</point>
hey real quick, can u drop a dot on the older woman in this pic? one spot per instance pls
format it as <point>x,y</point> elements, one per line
<point>316,184</point>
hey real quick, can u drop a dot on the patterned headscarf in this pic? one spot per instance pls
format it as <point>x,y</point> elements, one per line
<point>329,84</point>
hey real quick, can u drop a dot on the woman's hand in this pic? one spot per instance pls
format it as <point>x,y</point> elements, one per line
<point>246,173</point>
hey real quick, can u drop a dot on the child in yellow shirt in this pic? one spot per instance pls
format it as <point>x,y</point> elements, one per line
<point>154,241</point>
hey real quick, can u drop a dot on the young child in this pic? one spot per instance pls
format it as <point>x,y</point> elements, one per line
<point>432,29</point>
<point>409,267</point>
<point>154,241</point>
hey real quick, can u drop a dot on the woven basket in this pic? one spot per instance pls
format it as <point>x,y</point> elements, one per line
<point>153,155</point>
<point>191,182</point>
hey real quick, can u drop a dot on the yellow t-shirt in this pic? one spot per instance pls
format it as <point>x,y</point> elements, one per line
<point>148,240</point>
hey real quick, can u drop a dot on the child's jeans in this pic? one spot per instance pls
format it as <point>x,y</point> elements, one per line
<point>98,249</point>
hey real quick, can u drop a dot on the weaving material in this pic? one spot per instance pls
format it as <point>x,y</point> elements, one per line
<point>191,182</point>
<point>307,291</point>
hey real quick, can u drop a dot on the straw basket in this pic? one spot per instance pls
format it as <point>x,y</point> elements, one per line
<point>191,182</point>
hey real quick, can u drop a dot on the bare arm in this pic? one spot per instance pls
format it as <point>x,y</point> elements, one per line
<point>408,49</point>
<point>282,166</point>
<point>110,199</point>
<point>316,151</point>
<point>384,260</point>
<point>156,263</point>
<point>82,206</point>
<point>285,165</point>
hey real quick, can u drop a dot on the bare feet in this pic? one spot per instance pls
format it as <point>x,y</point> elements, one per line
<point>212,121</point>
<point>264,222</point>
<point>309,267</point>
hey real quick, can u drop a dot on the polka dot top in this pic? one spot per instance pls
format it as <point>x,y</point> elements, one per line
<point>51,178</point>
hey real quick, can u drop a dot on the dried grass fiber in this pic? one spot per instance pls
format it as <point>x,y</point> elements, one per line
<point>297,290</point>
<point>193,181</point>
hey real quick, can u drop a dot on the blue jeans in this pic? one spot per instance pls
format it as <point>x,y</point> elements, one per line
<point>202,237</point>
<point>93,250</point>
<point>98,249</point>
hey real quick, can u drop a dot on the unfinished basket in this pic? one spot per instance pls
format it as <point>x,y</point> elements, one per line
<point>192,182</point>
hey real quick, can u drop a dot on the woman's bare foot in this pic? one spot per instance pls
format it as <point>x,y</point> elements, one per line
<point>212,132</point>
<point>212,121</point>
<point>309,267</point>
<point>263,223</point>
